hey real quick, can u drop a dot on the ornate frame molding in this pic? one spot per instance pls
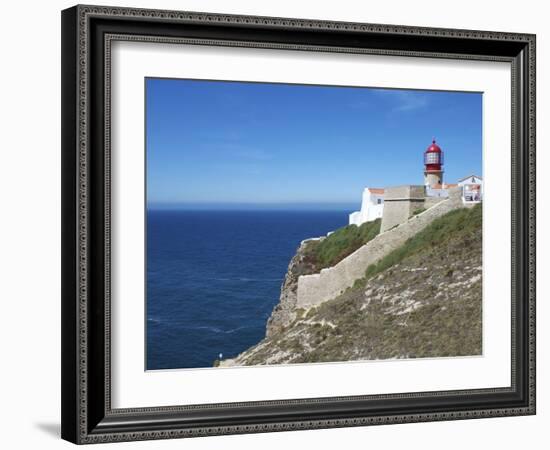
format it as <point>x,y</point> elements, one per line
<point>86,206</point>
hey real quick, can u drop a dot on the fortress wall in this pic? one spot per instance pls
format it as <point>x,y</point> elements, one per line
<point>331,282</point>
<point>431,201</point>
<point>398,211</point>
<point>399,204</point>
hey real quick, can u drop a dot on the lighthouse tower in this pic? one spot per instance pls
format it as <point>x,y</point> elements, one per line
<point>433,165</point>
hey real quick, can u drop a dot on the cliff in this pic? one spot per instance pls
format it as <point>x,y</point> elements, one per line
<point>312,256</point>
<point>423,299</point>
<point>285,312</point>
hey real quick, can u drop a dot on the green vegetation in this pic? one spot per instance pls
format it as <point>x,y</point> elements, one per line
<point>457,223</point>
<point>339,244</point>
<point>418,211</point>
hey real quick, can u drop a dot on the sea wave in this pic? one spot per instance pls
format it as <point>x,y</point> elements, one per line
<point>212,329</point>
<point>218,330</point>
<point>244,279</point>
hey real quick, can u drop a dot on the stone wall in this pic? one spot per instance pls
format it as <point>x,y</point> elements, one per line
<point>431,201</point>
<point>331,282</point>
<point>400,203</point>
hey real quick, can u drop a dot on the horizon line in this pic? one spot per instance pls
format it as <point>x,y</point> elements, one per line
<point>216,206</point>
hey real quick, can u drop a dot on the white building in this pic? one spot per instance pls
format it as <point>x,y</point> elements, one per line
<point>439,190</point>
<point>372,207</point>
<point>472,189</point>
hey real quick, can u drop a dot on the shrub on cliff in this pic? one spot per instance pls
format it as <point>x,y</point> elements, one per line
<point>341,243</point>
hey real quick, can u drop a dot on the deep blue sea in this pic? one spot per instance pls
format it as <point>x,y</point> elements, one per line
<point>213,278</point>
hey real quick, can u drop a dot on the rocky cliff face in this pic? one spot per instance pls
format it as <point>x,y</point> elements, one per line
<point>423,300</point>
<point>285,311</point>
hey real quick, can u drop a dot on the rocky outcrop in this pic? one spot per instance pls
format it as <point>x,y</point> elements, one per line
<point>285,311</point>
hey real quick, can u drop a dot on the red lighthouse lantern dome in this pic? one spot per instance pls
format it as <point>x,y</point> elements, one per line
<point>433,158</point>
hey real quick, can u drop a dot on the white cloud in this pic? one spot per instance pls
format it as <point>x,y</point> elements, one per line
<point>400,100</point>
<point>410,101</point>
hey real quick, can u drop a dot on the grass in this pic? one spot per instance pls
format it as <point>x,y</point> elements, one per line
<point>341,243</point>
<point>456,223</point>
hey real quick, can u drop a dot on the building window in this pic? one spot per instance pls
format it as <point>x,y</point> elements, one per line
<point>379,201</point>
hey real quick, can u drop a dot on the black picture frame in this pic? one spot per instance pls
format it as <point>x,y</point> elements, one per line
<point>87,416</point>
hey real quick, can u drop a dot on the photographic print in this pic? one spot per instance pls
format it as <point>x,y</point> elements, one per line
<point>293,224</point>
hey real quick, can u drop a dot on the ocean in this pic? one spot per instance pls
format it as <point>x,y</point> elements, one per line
<point>213,278</point>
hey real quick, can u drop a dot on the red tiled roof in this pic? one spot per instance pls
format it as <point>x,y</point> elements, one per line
<point>376,190</point>
<point>446,186</point>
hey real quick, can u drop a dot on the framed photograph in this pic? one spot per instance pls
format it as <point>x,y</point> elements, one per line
<point>278,224</point>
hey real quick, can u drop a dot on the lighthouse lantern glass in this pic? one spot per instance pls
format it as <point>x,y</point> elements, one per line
<point>433,158</point>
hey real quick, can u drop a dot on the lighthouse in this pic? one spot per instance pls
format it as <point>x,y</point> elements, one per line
<point>433,165</point>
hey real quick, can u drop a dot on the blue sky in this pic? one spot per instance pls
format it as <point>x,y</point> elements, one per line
<point>213,144</point>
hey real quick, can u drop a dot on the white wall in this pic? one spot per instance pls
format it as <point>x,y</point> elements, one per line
<point>30,225</point>
<point>370,208</point>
